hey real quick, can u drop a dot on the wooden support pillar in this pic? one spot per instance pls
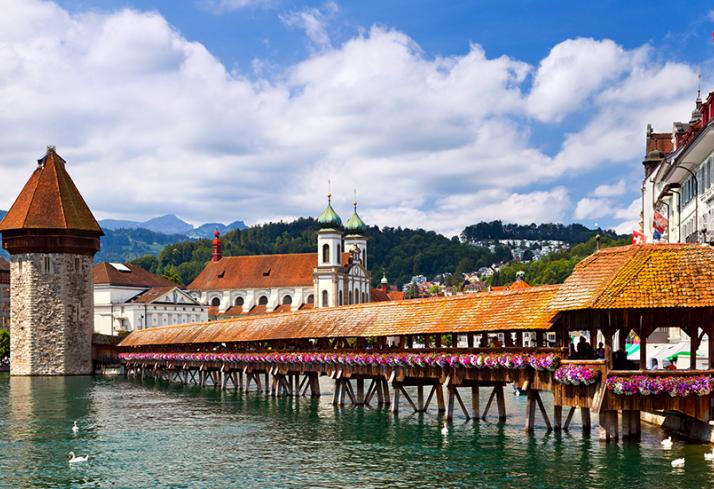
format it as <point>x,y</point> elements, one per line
<point>539,338</point>
<point>631,426</point>
<point>410,341</point>
<point>643,348</point>
<point>608,426</point>
<point>385,391</point>
<point>557,418</point>
<point>519,338</point>
<point>454,340</point>
<point>437,341</point>
<point>395,401</point>
<point>314,385</point>
<point>440,404</point>
<point>569,418</point>
<point>585,419</point>
<point>475,408</point>
<point>622,335</point>
<point>380,392</point>
<point>530,411</point>
<point>693,346</point>
<point>500,403</point>
<point>711,347</point>
<point>420,398</point>
<point>470,340</point>
<point>360,392</point>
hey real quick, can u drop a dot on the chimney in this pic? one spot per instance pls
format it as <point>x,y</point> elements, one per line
<point>216,244</point>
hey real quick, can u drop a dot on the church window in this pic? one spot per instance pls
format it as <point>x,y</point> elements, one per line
<point>325,297</point>
<point>310,299</point>
<point>363,298</point>
<point>339,298</point>
<point>263,301</point>
<point>215,302</point>
<point>364,258</point>
<point>240,301</point>
<point>287,300</point>
<point>325,253</point>
<point>351,297</point>
<point>339,252</point>
<point>76,264</point>
<point>356,296</point>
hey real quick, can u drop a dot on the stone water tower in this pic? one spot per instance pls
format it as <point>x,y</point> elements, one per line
<point>52,237</point>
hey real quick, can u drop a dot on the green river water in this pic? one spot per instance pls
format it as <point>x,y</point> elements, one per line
<point>147,435</point>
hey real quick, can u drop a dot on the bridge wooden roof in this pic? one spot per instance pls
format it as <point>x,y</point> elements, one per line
<point>640,277</point>
<point>486,311</point>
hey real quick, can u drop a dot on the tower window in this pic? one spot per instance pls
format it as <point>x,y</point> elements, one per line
<point>47,264</point>
<point>76,264</point>
<point>263,301</point>
<point>325,297</point>
<point>325,253</point>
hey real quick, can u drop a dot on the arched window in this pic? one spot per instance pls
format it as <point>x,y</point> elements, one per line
<point>364,299</point>
<point>240,301</point>
<point>325,253</point>
<point>287,299</point>
<point>356,296</point>
<point>339,252</point>
<point>310,299</point>
<point>215,302</point>
<point>364,258</point>
<point>350,297</point>
<point>339,298</point>
<point>263,301</point>
<point>324,298</point>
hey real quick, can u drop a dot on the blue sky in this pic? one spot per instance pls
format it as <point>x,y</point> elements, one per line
<point>440,114</point>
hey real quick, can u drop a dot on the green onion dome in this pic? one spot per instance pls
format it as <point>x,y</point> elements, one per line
<point>355,224</point>
<point>329,218</point>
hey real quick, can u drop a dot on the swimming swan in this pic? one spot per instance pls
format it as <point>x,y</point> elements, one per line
<point>75,428</point>
<point>667,443</point>
<point>73,459</point>
<point>679,462</point>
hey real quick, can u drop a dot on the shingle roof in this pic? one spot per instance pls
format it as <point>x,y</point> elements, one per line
<point>152,294</point>
<point>50,200</point>
<point>257,271</point>
<point>641,276</point>
<point>105,274</point>
<point>488,311</point>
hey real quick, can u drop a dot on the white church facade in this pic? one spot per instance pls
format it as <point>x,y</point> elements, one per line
<point>335,275</point>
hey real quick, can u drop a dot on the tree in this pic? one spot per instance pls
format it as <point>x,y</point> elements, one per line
<point>4,343</point>
<point>149,263</point>
<point>172,273</point>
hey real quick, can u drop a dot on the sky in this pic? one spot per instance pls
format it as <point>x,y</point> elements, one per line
<point>437,114</point>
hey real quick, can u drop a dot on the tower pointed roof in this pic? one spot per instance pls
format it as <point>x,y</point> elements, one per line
<point>355,224</point>
<point>50,201</point>
<point>329,218</point>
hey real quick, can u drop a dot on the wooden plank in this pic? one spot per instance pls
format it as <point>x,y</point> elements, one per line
<point>571,412</point>
<point>461,403</point>
<point>543,412</point>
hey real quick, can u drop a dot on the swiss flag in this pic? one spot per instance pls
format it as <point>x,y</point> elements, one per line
<point>638,238</point>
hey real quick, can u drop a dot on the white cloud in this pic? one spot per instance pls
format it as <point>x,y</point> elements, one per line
<point>588,208</point>
<point>151,122</point>
<point>610,190</point>
<point>313,22</point>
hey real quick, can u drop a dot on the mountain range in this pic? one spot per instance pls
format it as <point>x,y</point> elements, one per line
<point>171,224</point>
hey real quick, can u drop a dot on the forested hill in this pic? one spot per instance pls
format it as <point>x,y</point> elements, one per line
<point>496,230</point>
<point>400,253</point>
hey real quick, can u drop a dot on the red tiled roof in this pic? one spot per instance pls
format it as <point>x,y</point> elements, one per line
<point>257,271</point>
<point>152,294</point>
<point>233,311</point>
<point>379,295</point>
<point>396,295</point>
<point>640,276</point>
<point>488,311</point>
<point>50,200</point>
<point>661,141</point>
<point>106,274</point>
<point>258,309</point>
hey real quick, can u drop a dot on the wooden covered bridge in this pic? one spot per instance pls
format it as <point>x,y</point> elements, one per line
<point>442,345</point>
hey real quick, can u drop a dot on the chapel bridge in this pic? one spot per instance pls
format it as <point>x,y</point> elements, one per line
<point>369,349</point>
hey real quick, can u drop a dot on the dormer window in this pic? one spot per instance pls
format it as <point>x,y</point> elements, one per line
<point>266,272</point>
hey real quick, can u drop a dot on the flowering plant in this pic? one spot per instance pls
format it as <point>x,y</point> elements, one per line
<point>701,385</point>
<point>544,361</point>
<point>577,374</point>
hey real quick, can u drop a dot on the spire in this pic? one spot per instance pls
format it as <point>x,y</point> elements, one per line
<point>355,224</point>
<point>217,246</point>
<point>329,218</point>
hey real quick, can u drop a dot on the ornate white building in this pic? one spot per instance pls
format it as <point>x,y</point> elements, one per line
<point>336,275</point>
<point>127,297</point>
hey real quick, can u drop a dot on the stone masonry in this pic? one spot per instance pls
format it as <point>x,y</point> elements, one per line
<point>52,314</point>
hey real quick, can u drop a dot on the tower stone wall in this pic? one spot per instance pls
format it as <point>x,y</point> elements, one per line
<point>52,314</point>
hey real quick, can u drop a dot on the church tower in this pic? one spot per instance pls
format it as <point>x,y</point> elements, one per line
<point>52,237</point>
<point>356,245</point>
<point>329,257</point>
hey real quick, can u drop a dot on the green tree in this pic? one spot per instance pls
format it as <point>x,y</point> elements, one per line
<point>172,273</point>
<point>149,263</point>
<point>4,343</point>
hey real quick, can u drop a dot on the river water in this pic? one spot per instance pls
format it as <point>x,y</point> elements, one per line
<point>146,435</point>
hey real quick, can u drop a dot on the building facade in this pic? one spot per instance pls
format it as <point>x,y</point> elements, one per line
<point>336,275</point>
<point>678,185</point>
<point>4,294</point>
<point>52,237</point>
<point>127,298</point>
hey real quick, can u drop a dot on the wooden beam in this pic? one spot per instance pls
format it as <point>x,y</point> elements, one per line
<point>475,402</point>
<point>569,418</point>
<point>441,405</point>
<point>693,346</point>
<point>543,412</point>
<point>530,411</point>
<point>488,403</point>
<point>501,403</point>
<point>557,417</point>
<point>643,349</point>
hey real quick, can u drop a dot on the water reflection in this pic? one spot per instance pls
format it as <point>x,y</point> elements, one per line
<point>148,435</point>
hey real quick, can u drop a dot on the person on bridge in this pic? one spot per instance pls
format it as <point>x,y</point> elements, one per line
<point>585,349</point>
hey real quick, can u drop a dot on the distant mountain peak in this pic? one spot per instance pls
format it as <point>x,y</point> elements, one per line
<point>172,224</point>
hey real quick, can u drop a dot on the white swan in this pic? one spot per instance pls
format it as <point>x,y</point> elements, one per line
<point>709,456</point>
<point>679,462</point>
<point>667,443</point>
<point>73,459</point>
<point>75,428</point>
